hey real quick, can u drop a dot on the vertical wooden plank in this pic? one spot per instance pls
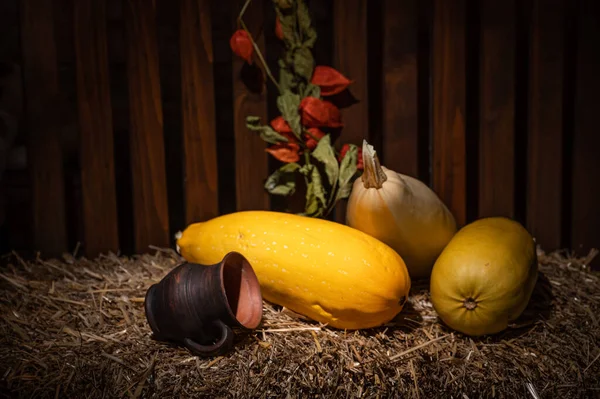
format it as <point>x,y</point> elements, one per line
<point>350,58</point>
<point>9,31</point>
<point>250,98</point>
<point>400,81</point>
<point>586,142</point>
<point>67,102</point>
<point>100,225</point>
<point>497,109</point>
<point>223,76</point>
<point>449,81</point>
<point>117,59</point>
<point>150,205</point>
<point>197,90</point>
<point>11,108</point>
<point>44,152</point>
<point>544,199</point>
<point>168,31</point>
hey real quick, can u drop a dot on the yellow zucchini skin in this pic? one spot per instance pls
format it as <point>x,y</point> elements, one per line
<point>324,270</point>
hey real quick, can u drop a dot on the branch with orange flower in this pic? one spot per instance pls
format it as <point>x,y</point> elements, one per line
<point>300,137</point>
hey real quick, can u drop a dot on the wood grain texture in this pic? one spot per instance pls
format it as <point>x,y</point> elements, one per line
<point>585,233</point>
<point>400,86</point>
<point>250,98</point>
<point>150,205</point>
<point>497,109</point>
<point>199,131</point>
<point>44,153</point>
<point>448,74</point>
<point>544,196</point>
<point>100,224</point>
<point>350,58</point>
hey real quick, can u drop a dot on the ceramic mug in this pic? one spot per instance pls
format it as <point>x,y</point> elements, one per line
<point>197,305</point>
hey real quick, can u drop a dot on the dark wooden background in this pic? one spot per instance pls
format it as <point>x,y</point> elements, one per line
<point>134,117</point>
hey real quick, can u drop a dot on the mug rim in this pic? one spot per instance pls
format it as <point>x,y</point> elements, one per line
<point>245,266</point>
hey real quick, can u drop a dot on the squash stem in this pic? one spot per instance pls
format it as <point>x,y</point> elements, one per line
<point>373,175</point>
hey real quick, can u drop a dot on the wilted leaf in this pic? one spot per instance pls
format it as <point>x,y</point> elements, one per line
<point>315,193</point>
<point>324,154</point>
<point>287,80</point>
<point>347,172</point>
<point>312,90</point>
<point>266,132</point>
<point>287,21</point>
<point>283,180</point>
<point>288,104</point>
<point>359,161</point>
<point>309,34</point>
<point>304,62</point>
<point>285,4</point>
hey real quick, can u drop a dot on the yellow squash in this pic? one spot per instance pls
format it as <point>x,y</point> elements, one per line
<point>485,276</point>
<point>324,270</point>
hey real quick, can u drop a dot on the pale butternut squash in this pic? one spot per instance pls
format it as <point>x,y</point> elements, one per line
<point>401,211</point>
<point>485,276</point>
<point>321,269</point>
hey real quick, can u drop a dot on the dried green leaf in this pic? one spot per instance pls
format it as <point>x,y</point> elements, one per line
<point>304,63</point>
<point>288,58</point>
<point>347,171</point>
<point>324,154</point>
<point>271,136</point>
<point>315,193</point>
<point>288,104</point>
<point>287,21</point>
<point>287,79</point>
<point>309,34</point>
<point>312,90</point>
<point>283,180</point>
<point>284,4</point>
<point>267,133</point>
<point>301,88</point>
<point>252,119</point>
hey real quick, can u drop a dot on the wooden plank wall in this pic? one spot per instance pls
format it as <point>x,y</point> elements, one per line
<point>198,112</point>
<point>491,103</point>
<point>545,151</point>
<point>99,199</point>
<point>44,155</point>
<point>449,106</point>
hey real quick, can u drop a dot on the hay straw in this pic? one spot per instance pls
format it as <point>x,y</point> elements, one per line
<point>76,328</point>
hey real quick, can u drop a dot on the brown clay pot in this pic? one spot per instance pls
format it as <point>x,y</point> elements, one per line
<point>197,305</point>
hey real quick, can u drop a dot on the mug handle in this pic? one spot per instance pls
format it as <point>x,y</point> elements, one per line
<point>222,345</point>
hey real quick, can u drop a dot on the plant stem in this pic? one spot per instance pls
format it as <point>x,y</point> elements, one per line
<point>243,10</point>
<point>332,200</point>
<point>308,133</point>
<point>258,53</point>
<point>307,157</point>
